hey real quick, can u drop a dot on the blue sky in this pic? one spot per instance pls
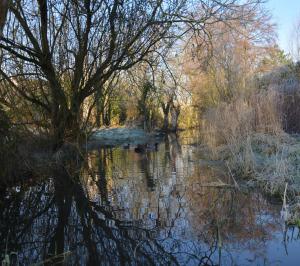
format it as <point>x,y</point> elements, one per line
<point>285,14</point>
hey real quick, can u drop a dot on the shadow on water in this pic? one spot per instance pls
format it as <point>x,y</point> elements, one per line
<point>120,207</point>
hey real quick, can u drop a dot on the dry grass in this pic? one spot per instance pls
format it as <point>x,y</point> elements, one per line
<point>248,135</point>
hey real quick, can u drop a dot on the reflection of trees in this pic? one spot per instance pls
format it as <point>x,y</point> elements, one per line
<point>57,216</point>
<point>172,149</point>
<point>145,165</point>
<point>233,220</point>
<point>20,220</point>
<point>180,224</point>
<point>103,157</point>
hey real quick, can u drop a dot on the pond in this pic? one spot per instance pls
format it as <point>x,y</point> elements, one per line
<point>162,206</point>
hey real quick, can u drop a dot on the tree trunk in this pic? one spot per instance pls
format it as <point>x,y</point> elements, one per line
<point>66,129</point>
<point>166,111</point>
<point>98,109</point>
<point>174,117</point>
<point>3,13</point>
<point>58,130</point>
<point>166,121</point>
<point>107,115</point>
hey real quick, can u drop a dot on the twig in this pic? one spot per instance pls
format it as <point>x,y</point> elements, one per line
<point>230,173</point>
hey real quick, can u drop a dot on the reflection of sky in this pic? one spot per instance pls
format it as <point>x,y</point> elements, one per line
<point>186,217</point>
<point>276,248</point>
<point>285,14</point>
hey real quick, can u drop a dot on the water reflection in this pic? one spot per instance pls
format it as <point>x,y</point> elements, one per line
<point>120,207</point>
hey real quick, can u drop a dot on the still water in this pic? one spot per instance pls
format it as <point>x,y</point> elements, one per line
<point>159,207</point>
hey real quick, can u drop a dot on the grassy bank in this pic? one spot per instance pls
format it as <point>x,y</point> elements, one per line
<point>247,135</point>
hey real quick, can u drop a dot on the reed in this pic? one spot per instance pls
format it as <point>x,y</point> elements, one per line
<point>247,134</point>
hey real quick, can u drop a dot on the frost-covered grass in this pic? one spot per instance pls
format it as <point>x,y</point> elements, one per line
<point>123,135</point>
<point>270,160</point>
<point>247,136</point>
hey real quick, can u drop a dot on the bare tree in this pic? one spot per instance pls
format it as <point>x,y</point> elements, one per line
<point>223,61</point>
<point>72,48</point>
